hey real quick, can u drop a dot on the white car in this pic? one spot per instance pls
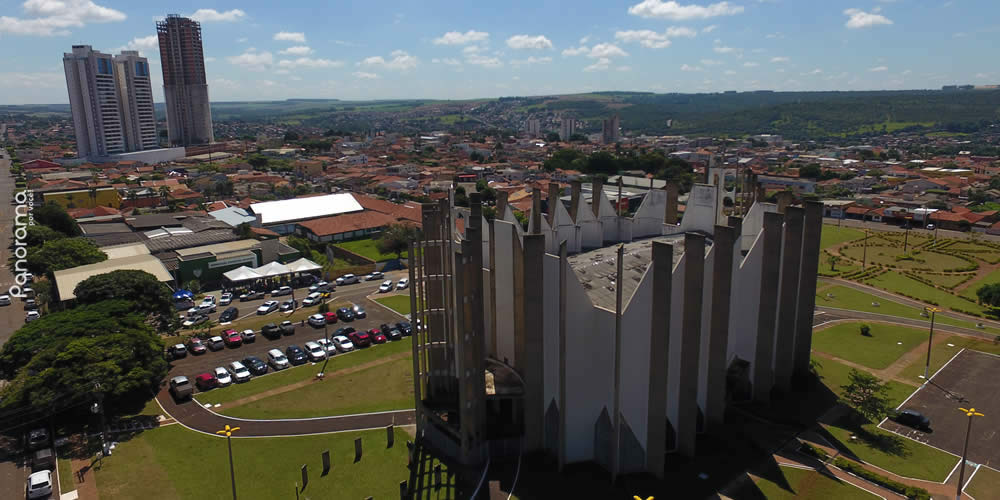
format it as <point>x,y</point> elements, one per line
<point>347,279</point>
<point>203,308</point>
<point>4,300</point>
<point>226,299</point>
<point>285,290</point>
<point>327,346</point>
<point>31,316</point>
<point>208,299</point>
<point>342,343</point>
<point>374,275</point>
<point>277,359</point>
<point>317,286</point>
<point>312,299</point>
<point>268,307</point>
<point>40,484</point>
<point>239,372</point>
<point>315,351</point>
<point>403,283</point>
<point>317,320</point>
<point>222,375</point>
<point>386,286</point>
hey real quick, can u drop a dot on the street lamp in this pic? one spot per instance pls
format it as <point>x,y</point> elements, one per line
<point>930,340</point>
<point>971,412</point>
<point>864,255</point>
<point>228,432</point>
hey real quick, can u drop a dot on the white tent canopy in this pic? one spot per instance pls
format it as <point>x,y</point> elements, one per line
<point>302,265</point>
<point>242,273</point>
<point>272,269</point>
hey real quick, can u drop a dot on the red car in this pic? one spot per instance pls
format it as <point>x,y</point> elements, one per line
<point>330,317</point>
<point>206,381</point>
<point>232,338</point>
<point>377,336</point>
<point>196,346</point>
<point>360,339</point>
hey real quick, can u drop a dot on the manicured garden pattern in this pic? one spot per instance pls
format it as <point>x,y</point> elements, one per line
<point>835,235</point>
<point>878,351</point>
<point>903,285</point>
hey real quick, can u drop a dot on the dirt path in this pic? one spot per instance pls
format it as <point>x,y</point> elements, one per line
<point>982,272</point>
<point>297,385</point>
<point>86,483</point>
<point>917,353</point>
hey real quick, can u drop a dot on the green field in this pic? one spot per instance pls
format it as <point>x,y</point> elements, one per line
<point>835,376</point>
<point>886,256</point>
<point>941,353</point>
<point>398,303</point>
<point>886,343</point>
<point>897,283</point>
<point>970,291</point>
<point>891,452</point>
<point>302,372</point>
<point>807,484</point>
<point>65,467</point>
<point>381,388</point>
<point>176,463</point>
<point>834,235</point>
<point>367,248</point>
<point>985,484</point>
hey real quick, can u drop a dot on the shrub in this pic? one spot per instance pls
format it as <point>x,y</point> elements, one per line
<point>813,451</point>
<point>856,469</point>
<point>866,330</point>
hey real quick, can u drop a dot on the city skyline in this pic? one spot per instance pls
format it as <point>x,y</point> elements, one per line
<point>254,51</point>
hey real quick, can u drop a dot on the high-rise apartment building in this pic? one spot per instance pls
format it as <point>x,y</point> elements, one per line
<point>534,127</point>
<point>611,130</point>
<point>93,99</point>
<point>135,95</point>
<point>567,127</point>
<point>189,118</point>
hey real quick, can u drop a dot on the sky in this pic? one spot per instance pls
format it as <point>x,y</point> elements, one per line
<point>265,50</point>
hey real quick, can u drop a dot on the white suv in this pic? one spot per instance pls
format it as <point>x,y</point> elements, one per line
<point>40,484</point>
<point>312,299</point>
<point>347,279</point>
<point>315,351</point>
<point>240,372</point>
<point>277,359</point>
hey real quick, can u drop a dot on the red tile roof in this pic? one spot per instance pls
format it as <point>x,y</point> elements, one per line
<point>327,226</point>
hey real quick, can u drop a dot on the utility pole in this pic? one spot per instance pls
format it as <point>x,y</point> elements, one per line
<point>906,235</point>
<point>930,340</point>
<point>228,432</point>
<point>99,409</point>
<point>864,255</point>
<point>971,412</point>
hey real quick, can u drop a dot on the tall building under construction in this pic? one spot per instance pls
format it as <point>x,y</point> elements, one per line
<point>185,88</point>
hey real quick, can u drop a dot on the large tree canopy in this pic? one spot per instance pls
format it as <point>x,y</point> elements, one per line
<point>54,216</point>
<point>396,239</point>
<point>55,255</point>
<point>141,288</point>
<point>989,294</point>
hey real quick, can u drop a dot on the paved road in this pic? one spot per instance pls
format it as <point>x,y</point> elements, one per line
<point>12,316</point>
<point>879,226</point>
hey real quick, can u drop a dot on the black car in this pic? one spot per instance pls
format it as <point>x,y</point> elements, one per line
<point>229,314</point>
<point>915,419</point>
<point>404,328</point>
<point>347,330</point>
<point>255,365</point>
<point>296,356</point>
<point>287,328</point>
<point>271,331</point>
<point>345,314</point>
<point>251,296</point>
<point>359,312</point>
<point>392,333</point>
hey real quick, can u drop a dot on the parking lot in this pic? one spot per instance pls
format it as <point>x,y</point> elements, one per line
<point>967,381</point>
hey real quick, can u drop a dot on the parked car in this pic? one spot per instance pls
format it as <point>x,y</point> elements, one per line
<point>194,320</point>
<point>330,318</point>
<point>315,351</point>
<point>40,484</point>
<point>222,375</point>
<point>376,336</point>
<point>255,365</point>
<point>277,359</point>
<point>249,336</point>
<point>327,346</point>
<point>206,381</point>
<point>386,286</point>
<point>215,343</point>
<point>360,339</point>
<point>392,333</point>
<point>208,299</point>
<point>197,346</point>
<point>268,307</point>
<point>312,299</point>
<point>226,299</point>
<point>347,279</point>
<point>38,438</point>
<point>403,283</point>
<point>359,312</point>
<point>30,305</point>
<point>177,351</point>
<point>4,300</point>
<point>342,343</point>
<point>232,338</point>
<point>285,290</point>
<point>239,372</point>
<point>318,286</point>
<point>270,331</point>
<point>345,314</point>
<point>43,459</point>
<point>251,295</point>
<point>914,419</point>
<point>405,328</point>
<point>374,275</point>
<point>296,356</point>
<point>31,316</point>
<point>317,321</point>
<point>229,315</point>
<point>344,331</point>
<point>287,327</point>
<point>181,387</point>
<point>289,305</point>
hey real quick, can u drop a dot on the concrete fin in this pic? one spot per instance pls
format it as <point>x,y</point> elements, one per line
<point>552,427</point>
<point>603,431</point>
<point>632,454</point>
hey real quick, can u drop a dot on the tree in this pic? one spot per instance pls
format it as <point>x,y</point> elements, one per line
<point>833,260</point>
<point>551,137</point>
<point>868,395</point>
<point>461,199</point>
<point>396,239</point>
<point>146,292</point>
<point>475,156</point>
<point>989,294</point>
<point>258,161</point>
<point>38,235</point>
<point>243,231</point>
<point>810,171</point>
<point>866,330</point>
<point>164,192</point>
<point>51,214</point>
<point>64,253</point>
<point>562,160</point>
<point>291,136</point>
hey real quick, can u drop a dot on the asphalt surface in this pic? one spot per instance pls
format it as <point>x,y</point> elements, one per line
<point>12,316</point>
<point>881,226</point>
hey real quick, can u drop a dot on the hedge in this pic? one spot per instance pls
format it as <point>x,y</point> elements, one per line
<point>883,481</point>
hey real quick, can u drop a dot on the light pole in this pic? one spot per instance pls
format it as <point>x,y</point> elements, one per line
<point>930,340</point>
<point>228,432</point>
<point>971,412</point>
<point>864,255</point>
<point>98,408</point>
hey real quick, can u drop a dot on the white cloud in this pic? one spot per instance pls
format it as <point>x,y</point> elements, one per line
<point>576,51</point>
<point>710,28</point>
<point>814,72</point>
<point>53,17</point>
<point>686,67</point>
<point>780,59</point>
<point>287,36</point>
<point>365,76</point>
<point>242,40</point>
<point>907,72</point>
<point>877,69</point>
<point>677,12</point>
<point>478,59</point>
<point>773,36</point>
<point>646,38</point>
<point>681,31</point>
<point>624,68</point>
<point>729,72</point>
<point>529,42</point>
<point>603,50</point>
<point>308,62</point>
<point>253,60</point>
<point>267,83</point>
<point>584,40</point>
<point>531,60</point>
<point>472,49</point>
<point>601,65</point>
<point>750,64</point>
<point>33,80</point>
<point>721,49</point>
<point>398,60</point>
<point>142,44</point>
<point>214,16</point>
<point>710,62</point>
<point>298,50</point>
<point>960,34</point>
<point>459,38</point>
<point>858,19</point>
<point>447,60</point>
<point>209,59</point>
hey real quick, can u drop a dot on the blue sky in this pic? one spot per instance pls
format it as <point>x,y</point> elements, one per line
<point>433,49</point>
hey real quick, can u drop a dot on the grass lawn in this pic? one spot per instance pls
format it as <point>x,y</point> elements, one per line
<point>809,484</point>
<point>947,280</point>
<point>891,452</point>
<point>984,484</point>
<point>835,376</point>
<point>398,303</point>
<point>366,248</point>
<point>970,291</point>
<point>174,462</point>
<point>833,235</point>
<point>886,255</point>
<point>65,468</point>
<point>301,372</point>
<point>941,353</point>
<point>379,388</point>
<point>897,283</point>
<point>878,351</point>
